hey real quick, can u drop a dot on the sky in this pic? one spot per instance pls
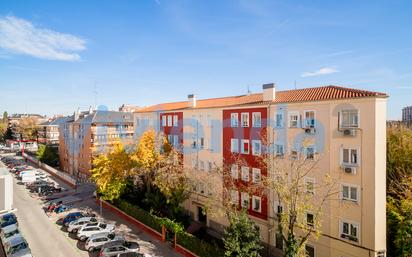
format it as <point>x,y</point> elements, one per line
<point>57,56</point>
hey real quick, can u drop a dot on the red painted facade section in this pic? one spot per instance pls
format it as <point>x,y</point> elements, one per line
<point>173,130</point>
<point>252,161</point>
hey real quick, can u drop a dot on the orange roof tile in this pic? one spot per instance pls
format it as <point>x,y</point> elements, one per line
<point>288,96</point>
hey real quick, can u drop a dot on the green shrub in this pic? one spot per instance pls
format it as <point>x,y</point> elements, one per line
<point>188,241</point>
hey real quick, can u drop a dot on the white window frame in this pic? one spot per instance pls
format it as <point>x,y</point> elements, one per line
<point>254,205</point>
<point>201,165</point>
<point>307,222</point>
<point>277,147</point>
<point>279,123</point>
<point>175,120</point>
<point>234,145</point>
<point>290,114</point>
<point>234,120</point>
<point>175,140</point>
<point>256,175</point>
<point>234,171</point>
<point>244,122</point>
<point>234,196</point>
<point>256,123</point>
<point>307,189</point>
<point>350,163</point>
<point>209,166</point>
<point>164,120</point>
<point>349,197</point>
<point>245,173</point>
<point>242,146</point>
<point>305,120</point>
<point>244,196</point>
<point>350,112</point>
<point>351,224</point>
<point>254,150</point>
<point>169,120</point>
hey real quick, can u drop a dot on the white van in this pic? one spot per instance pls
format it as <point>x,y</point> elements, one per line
<point>28,178</point>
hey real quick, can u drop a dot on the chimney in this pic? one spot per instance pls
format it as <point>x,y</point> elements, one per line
<point>90,110</point>
<point>269,92</point>
<point>192,100</point>
<point>77,114</point>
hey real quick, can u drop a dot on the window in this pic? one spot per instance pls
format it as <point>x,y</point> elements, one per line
<point>164,121</point>
<point>310,153</point>
<point>256,147</point>
<point>256,120</point>
<point>310,185</point>
<point>293,154</point>
<point>256,175</point>
<point>169,120</point>
<point>170,139</point>
<point>234,172</point>
<point>244,119</point>
<point>234,197</point>
<point>279,120</point>
<point>310,219</point>
<point>209,166</point>
<point>350,193</point>
<point>293,120</point>
<point>279,150</point>
<point>310,251</point>
<point>350,156</point>
<point>279,241</point>
<point>278,208</point>
<point>234,145</point>
<point>202,165</point>
<point>202,143</point>
<point>349,119</point>
<point>175,140</point>
<point>244,146</point>
<point>349,231</point>
<point>245,173</point>
<point>309,119</point>
<point>234,120</point>
<point>256,204</point>
<point>194,143</point>
<point>175,120</point>
<point>245,200</point>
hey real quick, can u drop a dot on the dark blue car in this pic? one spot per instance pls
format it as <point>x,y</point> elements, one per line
<point>7,219</point>
<point>71,217</point>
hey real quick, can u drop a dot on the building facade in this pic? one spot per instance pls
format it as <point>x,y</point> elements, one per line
<point>48,132</point>
<point>85,134</point>
<point>346,129</point>
<point>407,114</point>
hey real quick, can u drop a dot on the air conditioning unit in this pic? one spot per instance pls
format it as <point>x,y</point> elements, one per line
<point>310,130</point>
<point>349,132</point>
<point>349,170</point>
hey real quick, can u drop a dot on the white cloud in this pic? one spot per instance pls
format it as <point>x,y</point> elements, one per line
<point>321,71</point>
<point>22,37</point>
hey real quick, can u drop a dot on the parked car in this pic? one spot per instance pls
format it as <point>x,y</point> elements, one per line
<point>73,216</point>
<point>8,232</point>
<point>7,219</point>
<point>115,248</point>
<point>86,231</point>
<point>96,241</point>
<point>133,254</point>
<point>17,247</point>
<point>77,224</point>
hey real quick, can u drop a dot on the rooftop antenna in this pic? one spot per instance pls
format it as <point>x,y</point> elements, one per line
<point>295,84</point>
<point>248,90</point>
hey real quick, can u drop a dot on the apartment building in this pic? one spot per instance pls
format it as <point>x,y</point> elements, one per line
<point>407,114</point>
<point>347,131</point>
<point>48,132</point>
<point>85,134</point>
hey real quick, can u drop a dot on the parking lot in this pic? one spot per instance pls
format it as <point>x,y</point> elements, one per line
<point>48,239</point>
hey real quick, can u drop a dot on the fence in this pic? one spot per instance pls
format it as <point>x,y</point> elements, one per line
<point>61,175</point>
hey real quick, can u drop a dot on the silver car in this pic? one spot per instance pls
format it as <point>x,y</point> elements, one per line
<point>96,241</point>
<point>90,229</point>
<point>9,231</point>
<point>75,225</point>
<point>17,247</point>
<point>112,249</point>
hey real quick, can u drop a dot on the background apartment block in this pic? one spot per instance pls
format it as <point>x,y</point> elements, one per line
<point>407,114</point>
<point>85,134</point>
<point>347,131</point>
<point>48,132</point>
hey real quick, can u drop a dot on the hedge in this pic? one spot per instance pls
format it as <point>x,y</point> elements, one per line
<point>188,241</point>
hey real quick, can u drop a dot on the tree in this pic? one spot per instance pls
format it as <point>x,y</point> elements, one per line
<point>27,128</point>
<point>287,179</point>
<point>5,117</point>
<point>111,172</point>
<point>48,154</point>
<point>241,238</point>
<point>399,193</point>
<point>3,131</point>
